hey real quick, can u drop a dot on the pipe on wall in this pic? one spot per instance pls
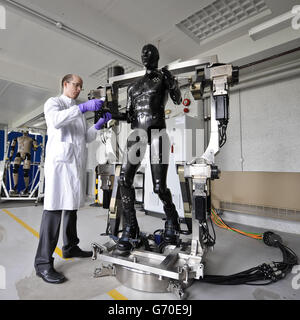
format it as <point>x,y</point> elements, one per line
<point>275,74</point>
<point>60,26</point>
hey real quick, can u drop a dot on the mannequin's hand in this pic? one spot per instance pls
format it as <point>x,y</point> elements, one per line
<point>170,80</point>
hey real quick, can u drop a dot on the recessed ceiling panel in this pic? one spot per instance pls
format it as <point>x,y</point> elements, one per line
<point>218,16</point>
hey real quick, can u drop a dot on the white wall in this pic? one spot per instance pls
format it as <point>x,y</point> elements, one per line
<point>263,132</point>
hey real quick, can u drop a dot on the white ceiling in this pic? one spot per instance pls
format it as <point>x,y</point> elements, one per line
<point>19,99</point>
<point>34,54</point>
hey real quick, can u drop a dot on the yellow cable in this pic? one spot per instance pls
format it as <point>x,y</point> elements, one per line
<point>219,222</point>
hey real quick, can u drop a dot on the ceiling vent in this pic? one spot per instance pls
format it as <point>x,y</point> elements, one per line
<point>219,16</point>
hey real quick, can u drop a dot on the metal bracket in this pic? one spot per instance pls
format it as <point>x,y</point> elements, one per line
<point>105,271</point>
<point>176,288</point>
<point>100,248</point>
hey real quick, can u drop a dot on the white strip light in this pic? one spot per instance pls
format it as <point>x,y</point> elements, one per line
<point>271,26</point>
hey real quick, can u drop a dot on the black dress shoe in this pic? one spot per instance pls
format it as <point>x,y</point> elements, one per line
<point>76,252</point>
<point>51,276</point>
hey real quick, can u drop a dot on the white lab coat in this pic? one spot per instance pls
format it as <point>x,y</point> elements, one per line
<point>66,154</point>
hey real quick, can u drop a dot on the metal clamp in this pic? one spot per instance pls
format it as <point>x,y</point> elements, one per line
<point>100,248</point>
<point>105,271</point>
<point>176,288</point>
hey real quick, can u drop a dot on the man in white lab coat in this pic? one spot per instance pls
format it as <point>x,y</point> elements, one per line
<point>65,165</point>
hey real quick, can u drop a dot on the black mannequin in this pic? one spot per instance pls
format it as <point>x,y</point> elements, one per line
<point>145,111</point>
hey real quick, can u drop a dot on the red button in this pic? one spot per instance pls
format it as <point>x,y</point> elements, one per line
<point>186,102</point>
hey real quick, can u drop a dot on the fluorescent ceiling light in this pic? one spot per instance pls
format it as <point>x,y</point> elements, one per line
<point>39,124</point>
<point>272,26</point>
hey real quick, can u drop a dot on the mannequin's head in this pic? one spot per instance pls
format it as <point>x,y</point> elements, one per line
<point>71,86</point>
<point>25,133</point>
<point>150,56</point>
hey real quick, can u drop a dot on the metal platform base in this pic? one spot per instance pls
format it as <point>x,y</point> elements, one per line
<point>149,282</point>
<point>141,280</point>
<point>171,271</point>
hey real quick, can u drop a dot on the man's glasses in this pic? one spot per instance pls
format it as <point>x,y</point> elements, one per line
<point>76,85</point>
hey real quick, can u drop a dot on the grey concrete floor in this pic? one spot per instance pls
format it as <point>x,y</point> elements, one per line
<point>232,253</point>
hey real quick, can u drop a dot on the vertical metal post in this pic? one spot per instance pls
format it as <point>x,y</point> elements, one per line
<point>96,192</point>
<point>213,146</point>
<point>198,209</point>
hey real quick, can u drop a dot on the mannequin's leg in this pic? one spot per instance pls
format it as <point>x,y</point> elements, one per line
<point>134,154</point>
<point>26,169</point>
<point>159,168</point>
<point>16,167</point>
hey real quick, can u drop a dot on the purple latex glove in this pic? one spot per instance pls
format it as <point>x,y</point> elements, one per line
<point>106,117</point>
<point>91,105</point>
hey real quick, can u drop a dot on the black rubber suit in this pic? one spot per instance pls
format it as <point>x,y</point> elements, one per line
<point>146,100</point>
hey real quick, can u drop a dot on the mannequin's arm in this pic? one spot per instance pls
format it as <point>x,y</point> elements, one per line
<point>34,145</point>
<point>12,148</point>
<point>172,85</point>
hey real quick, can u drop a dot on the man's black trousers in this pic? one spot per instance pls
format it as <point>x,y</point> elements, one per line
<point>49,233</point>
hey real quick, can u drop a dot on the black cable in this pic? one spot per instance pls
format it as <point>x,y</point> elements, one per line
<point>213,228</point>
<point>222,134</point>
<point>263,274</point>
<point>207,238</point>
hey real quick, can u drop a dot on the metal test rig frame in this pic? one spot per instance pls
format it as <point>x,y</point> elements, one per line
<point>176,267</point>
<point>36,191</point>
